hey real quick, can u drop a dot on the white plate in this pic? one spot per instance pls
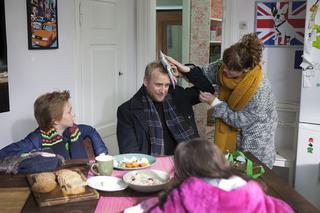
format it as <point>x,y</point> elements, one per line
<point>107,183</point>
<point>125,157</point>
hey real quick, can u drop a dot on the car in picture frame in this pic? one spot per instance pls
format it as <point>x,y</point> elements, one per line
<point>46,35</point>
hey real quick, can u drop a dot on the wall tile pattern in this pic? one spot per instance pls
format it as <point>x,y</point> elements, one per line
<point>199,49</point>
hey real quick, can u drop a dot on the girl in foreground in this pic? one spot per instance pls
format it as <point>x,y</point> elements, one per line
<point>205,183</point>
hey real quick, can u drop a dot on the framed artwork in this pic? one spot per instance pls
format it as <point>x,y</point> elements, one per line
<point>42,24</point>
<point>4,85</point>
<point>280,23</point>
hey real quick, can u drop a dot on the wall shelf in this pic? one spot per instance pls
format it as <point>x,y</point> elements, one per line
<point>215,19</point>
<point>284,158</point>
<point>215,42</point>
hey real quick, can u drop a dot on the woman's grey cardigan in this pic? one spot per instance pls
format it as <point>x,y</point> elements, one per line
<point>257,121</point>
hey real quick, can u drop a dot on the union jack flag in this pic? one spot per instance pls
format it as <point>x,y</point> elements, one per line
<point>281,23</point>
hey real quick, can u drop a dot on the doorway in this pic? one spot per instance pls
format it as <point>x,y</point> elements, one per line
<point>169,33</point>
<point>103,46</point>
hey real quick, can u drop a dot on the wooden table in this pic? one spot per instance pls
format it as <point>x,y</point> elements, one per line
<point>10,181</point>
<point>278,188</point>
<point>275,187</point>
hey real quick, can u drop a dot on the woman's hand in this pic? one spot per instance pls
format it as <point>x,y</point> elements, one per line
<point>206,97</point>
<point>180,67</point>
<point>174,69</point>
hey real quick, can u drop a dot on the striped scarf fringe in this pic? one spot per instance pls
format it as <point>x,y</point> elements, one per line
<point>51,137</point>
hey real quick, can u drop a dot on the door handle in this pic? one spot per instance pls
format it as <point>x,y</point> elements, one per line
<point>120,73</point>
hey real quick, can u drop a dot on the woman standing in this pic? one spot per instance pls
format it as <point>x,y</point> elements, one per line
<point>246,117</point>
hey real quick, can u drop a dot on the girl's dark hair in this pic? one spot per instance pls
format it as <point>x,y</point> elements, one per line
<point>200,158</point>
<point>245,54</point>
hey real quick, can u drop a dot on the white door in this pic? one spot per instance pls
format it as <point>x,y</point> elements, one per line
<point>103,65</point>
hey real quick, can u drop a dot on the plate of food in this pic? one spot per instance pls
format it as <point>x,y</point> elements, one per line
<point>148,180</point>
<point>133,161</point>
<point>107,183</point>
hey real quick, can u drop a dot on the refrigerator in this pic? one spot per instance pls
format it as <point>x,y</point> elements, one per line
<point>307,172</point>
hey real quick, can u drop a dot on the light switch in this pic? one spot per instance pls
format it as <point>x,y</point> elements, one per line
<point>243,25</point>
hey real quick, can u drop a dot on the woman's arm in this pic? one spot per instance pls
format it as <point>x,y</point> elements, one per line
<point>257,110</point>
<point>210,71</point>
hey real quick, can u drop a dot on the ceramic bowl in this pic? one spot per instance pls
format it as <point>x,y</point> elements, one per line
<point>148,180</point>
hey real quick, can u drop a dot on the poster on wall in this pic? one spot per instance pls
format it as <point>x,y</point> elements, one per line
<point>4,85</point>
<point>42,24</point>
<point>280,23</point>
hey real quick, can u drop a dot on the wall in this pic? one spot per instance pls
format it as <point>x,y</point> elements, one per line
<point>279,62</point>
<point>186,31</point>
<point>33,72</point>
<point>215,13</point>
<point>199,50</point>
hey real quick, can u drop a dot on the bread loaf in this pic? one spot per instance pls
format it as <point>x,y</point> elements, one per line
<point>70,182</point>
<point>44,182</point>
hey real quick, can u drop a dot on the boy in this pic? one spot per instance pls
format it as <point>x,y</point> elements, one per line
<point>57,130</point>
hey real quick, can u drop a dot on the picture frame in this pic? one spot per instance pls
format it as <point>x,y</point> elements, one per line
<point>280,23</point>
<point>4,82</point>
<point>42,16</point>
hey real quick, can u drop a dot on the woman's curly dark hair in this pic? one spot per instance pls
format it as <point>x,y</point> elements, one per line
<point>245,54</point>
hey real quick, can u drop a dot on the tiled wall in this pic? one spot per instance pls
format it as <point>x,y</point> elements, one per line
<point>199,49</point>
<point>214,12</point>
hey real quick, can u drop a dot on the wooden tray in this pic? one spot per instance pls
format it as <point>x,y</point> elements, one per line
<point>56,197</point>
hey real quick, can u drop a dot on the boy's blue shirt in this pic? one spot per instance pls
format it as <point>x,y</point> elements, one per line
<point>76,149</point>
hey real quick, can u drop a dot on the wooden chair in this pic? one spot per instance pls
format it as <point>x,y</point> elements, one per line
<point>89,149</point>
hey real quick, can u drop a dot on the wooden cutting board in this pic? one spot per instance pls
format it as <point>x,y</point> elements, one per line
<point>13,199</point>
<point>57,197</point>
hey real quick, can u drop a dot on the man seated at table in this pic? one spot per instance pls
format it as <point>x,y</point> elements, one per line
<point>158,116</point>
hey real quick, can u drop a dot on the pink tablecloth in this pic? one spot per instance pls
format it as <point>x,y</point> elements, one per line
<point>118,204</point>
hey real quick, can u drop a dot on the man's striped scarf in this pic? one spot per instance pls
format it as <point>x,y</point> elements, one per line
<point>173,122</point>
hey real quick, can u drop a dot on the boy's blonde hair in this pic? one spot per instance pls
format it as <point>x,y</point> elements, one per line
<point>49,108</point>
